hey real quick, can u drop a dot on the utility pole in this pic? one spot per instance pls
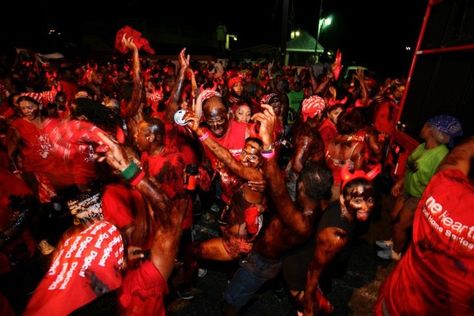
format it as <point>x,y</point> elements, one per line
<point>284,29</point>
<point>318,29</point>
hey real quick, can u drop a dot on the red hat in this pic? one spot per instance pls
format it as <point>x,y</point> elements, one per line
<point>233,81</point>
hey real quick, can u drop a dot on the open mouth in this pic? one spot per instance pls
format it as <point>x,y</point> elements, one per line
<point>362,216</point>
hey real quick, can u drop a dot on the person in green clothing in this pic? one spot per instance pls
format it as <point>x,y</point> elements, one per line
<point>295,97</point>
<point>421,165</point>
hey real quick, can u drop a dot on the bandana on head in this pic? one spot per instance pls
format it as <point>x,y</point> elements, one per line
<point>233,81</point>
<point>267,97</point>
<point>446,124</point>
<point>312,106</point>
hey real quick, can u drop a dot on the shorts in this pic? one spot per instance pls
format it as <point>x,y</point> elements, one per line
<point>296,264</point>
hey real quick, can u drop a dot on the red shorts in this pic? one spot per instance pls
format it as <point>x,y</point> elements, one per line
<point>143,290</point>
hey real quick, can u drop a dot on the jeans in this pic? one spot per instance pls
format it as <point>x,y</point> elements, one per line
<point>253,272</point>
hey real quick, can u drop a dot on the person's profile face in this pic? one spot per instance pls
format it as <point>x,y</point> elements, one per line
<point>142,136</point>
<point>334,114</point>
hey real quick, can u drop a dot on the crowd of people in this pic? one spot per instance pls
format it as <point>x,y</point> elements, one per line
<point>106,165</point>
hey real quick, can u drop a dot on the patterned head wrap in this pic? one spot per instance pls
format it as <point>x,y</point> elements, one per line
<point>312,106</point>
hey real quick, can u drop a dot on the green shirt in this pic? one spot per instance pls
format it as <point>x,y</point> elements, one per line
<point>294,99</point>
<point>426,162</point>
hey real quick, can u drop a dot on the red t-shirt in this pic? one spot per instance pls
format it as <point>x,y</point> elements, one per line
<point>87,265</point>
<point>234,141</point>
<point>328,132</point>
<point>436,275</point>
<point>143,291</point>
<point>117,204</point>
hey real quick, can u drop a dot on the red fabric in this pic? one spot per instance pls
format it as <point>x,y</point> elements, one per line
<point>138,40</point>
<point>5,308</point>
<point>89,258</point>
<point>384,119</point>
<point>233,81</point>
<point>436,275</point>
<point>251,214</point>
<point>143,291</point>
<point>328,132</point>
<point>117,203</point>
<point>73,143</point>
<point>69,89</point>
<point>234,141</point>
<point>167,167</point>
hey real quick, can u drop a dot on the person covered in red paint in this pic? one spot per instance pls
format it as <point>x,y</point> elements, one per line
<point>243,217</point>
<point>90,261</point>
<point>435,276</point>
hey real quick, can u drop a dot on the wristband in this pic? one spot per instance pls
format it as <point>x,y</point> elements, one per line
<point>138,178</point>
<point>131,171</point>
<point>268,154</point>
<point>204,136</point>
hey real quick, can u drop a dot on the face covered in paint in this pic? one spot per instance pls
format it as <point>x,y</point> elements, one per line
<point>216,116</point>
<point>251,154</point>
<point>358,199</point>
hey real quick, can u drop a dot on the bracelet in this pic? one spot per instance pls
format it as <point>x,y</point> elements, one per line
<point>269,154</point>
<point>138,178</point>
<point>269,149</point>
<point>204,136</point>
<point>131,171</point>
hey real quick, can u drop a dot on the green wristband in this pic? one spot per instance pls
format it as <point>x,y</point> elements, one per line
<point>131,171</point>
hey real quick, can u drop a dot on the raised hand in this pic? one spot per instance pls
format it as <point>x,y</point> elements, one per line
<point>128,42</point>
<point>183,59</point>
<point>114,153</point>
<point>337,66</point>
<point>192,121</point>
<point>267,120</point>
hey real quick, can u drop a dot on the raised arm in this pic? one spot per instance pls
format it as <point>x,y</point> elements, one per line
<point>329,242</point>
<point>173,101</point>
<point>167,215</point>
<point>286,209</point>
<point>222,153</point>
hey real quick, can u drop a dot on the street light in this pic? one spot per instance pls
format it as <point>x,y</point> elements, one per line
<point>322,24</point>
<point>227,40</point>
<point>295,33</point>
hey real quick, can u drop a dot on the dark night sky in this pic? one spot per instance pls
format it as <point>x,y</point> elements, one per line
<point>369,32</point>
